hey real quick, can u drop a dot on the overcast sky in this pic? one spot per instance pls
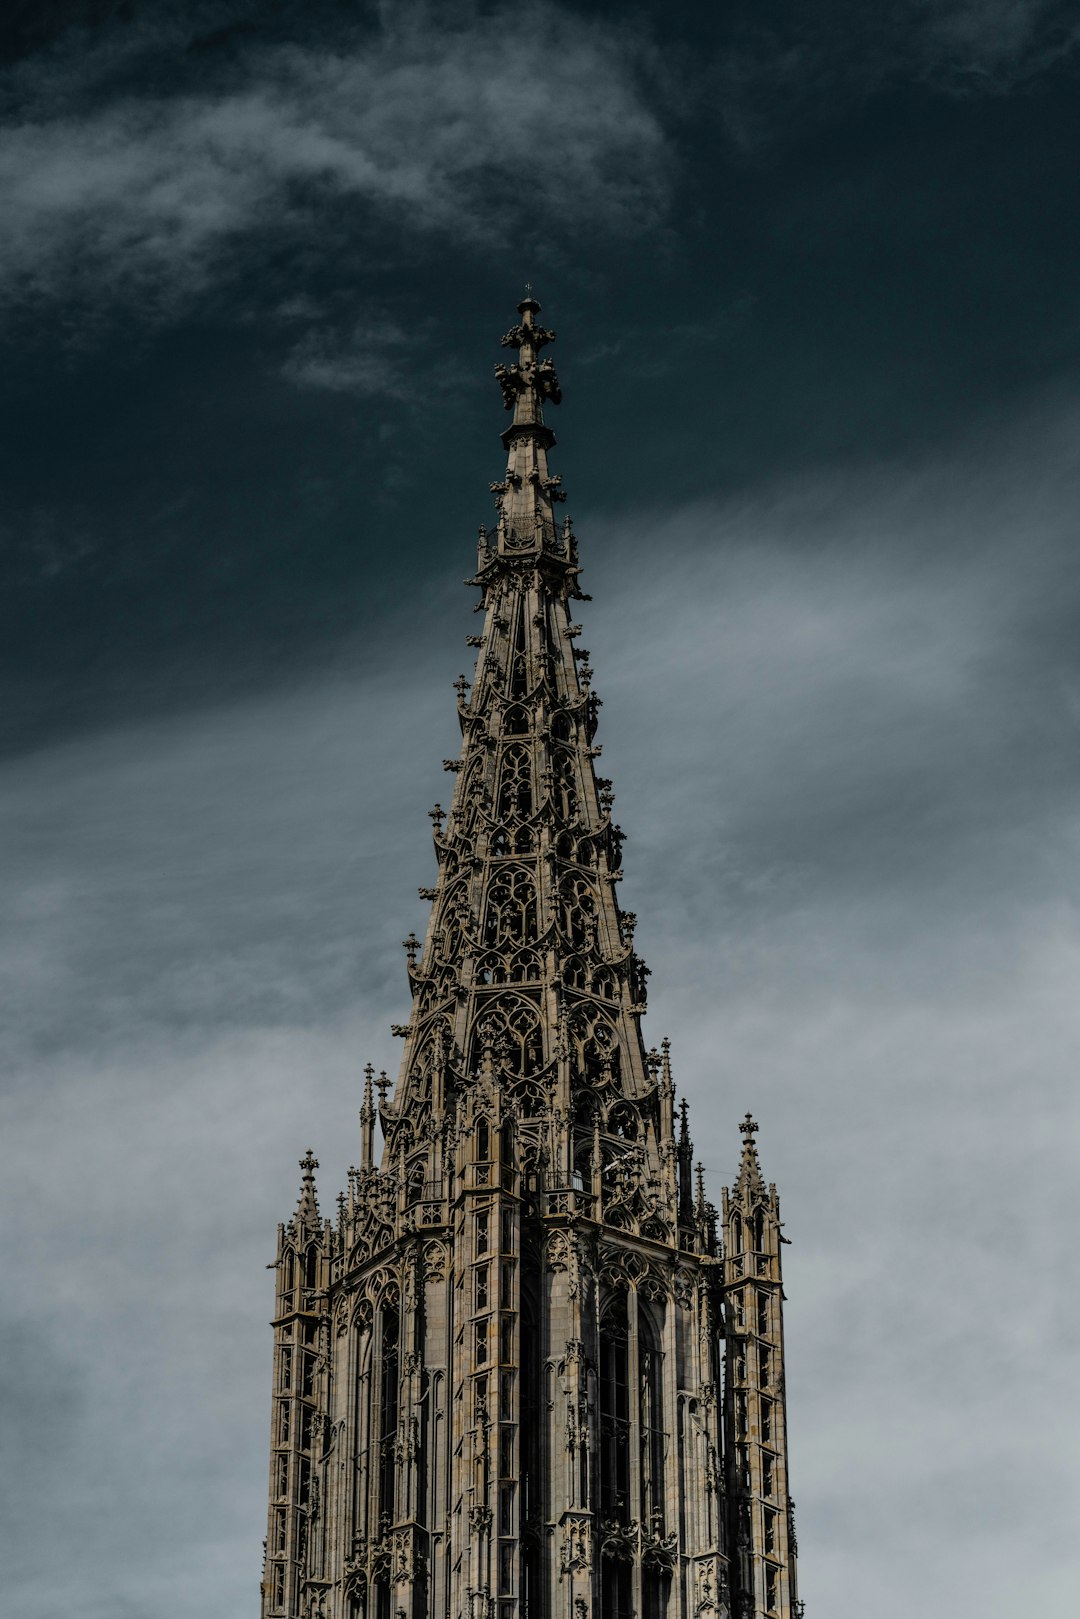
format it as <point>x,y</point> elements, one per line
<point>814,274</point>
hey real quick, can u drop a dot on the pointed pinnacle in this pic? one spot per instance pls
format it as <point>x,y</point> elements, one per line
<point>307,1208</point>
<point>749,1169</point>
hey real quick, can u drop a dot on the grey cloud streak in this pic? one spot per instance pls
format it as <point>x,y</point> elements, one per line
<point>424,123</point>
<point>841,719</point>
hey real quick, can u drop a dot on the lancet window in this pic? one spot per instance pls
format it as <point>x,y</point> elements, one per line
<point>455,914</point>
<point>565,780</point>
<point>511,908</point>
<point>594,1048</point>
<point>575,973</point>
<point>388,1410</point>
<point>650,1418</point>
<point>522,967</point>
<point>519,668</point>
<point>580,850</point>
<point>515,783</point>
<point>514,1027</point>
<point>614,1412</point>
<point>578,911</point>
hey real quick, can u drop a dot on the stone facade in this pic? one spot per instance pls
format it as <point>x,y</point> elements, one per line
<point>528,1371</point>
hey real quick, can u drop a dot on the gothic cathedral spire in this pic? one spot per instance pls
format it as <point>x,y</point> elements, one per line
<point>499,1385</point>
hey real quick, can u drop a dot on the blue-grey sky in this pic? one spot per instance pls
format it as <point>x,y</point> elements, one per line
<point>814,274</point>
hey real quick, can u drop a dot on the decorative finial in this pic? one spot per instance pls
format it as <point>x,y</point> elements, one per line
<point>382,1085</point>
<point>307,1209</point>
<point>410,946</point>
<point>367,1119</point>
<point>748,1128</point>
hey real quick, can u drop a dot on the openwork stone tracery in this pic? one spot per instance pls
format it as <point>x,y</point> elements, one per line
<point>500,1382</point>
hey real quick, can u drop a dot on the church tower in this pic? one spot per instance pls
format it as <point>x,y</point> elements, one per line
<point>528,1371</point>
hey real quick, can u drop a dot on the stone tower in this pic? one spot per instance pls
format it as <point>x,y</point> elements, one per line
<point>527,1371</point>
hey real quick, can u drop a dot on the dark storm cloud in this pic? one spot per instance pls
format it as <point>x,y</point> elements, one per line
<point>115,188</point>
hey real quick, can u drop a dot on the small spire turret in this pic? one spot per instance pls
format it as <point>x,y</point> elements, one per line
<point>367,1120</point>
<point>755,1416</point>
<point>307,1208</point>
<point>749,1183</point>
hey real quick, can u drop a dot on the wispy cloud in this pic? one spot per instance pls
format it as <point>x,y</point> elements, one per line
<point>422,126</point>
<point>373,358</point>
<point>775,73</point>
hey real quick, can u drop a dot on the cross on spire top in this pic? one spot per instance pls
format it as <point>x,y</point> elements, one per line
<point>748,1127</point>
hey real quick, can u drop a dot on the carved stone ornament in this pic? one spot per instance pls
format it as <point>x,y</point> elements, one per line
<point>435,1258</point>
<point>576,1550</point>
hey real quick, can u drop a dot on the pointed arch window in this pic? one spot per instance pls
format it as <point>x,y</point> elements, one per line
<point>651,1418</point>
<point>519,668</point>
<point>594,1047</point>
<point>578,911</point>
<point>517,1022</point>
<point>614,1410</point>
<point>511,908</point>
<point>515,783</point>
<point>388,1410</point>
<point>565,783</point>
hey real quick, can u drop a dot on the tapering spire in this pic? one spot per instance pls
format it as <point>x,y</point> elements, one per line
<point>367,1119</point>
<point>535,1231</point>
<point>307,1208</point>
<point>525,496</point>
<point>749,1182</point>
<point>525,933</point>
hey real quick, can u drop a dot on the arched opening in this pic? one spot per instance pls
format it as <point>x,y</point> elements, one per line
<point>651,1418</point>
<point>388,1408</point>
<point>613,1484</point>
